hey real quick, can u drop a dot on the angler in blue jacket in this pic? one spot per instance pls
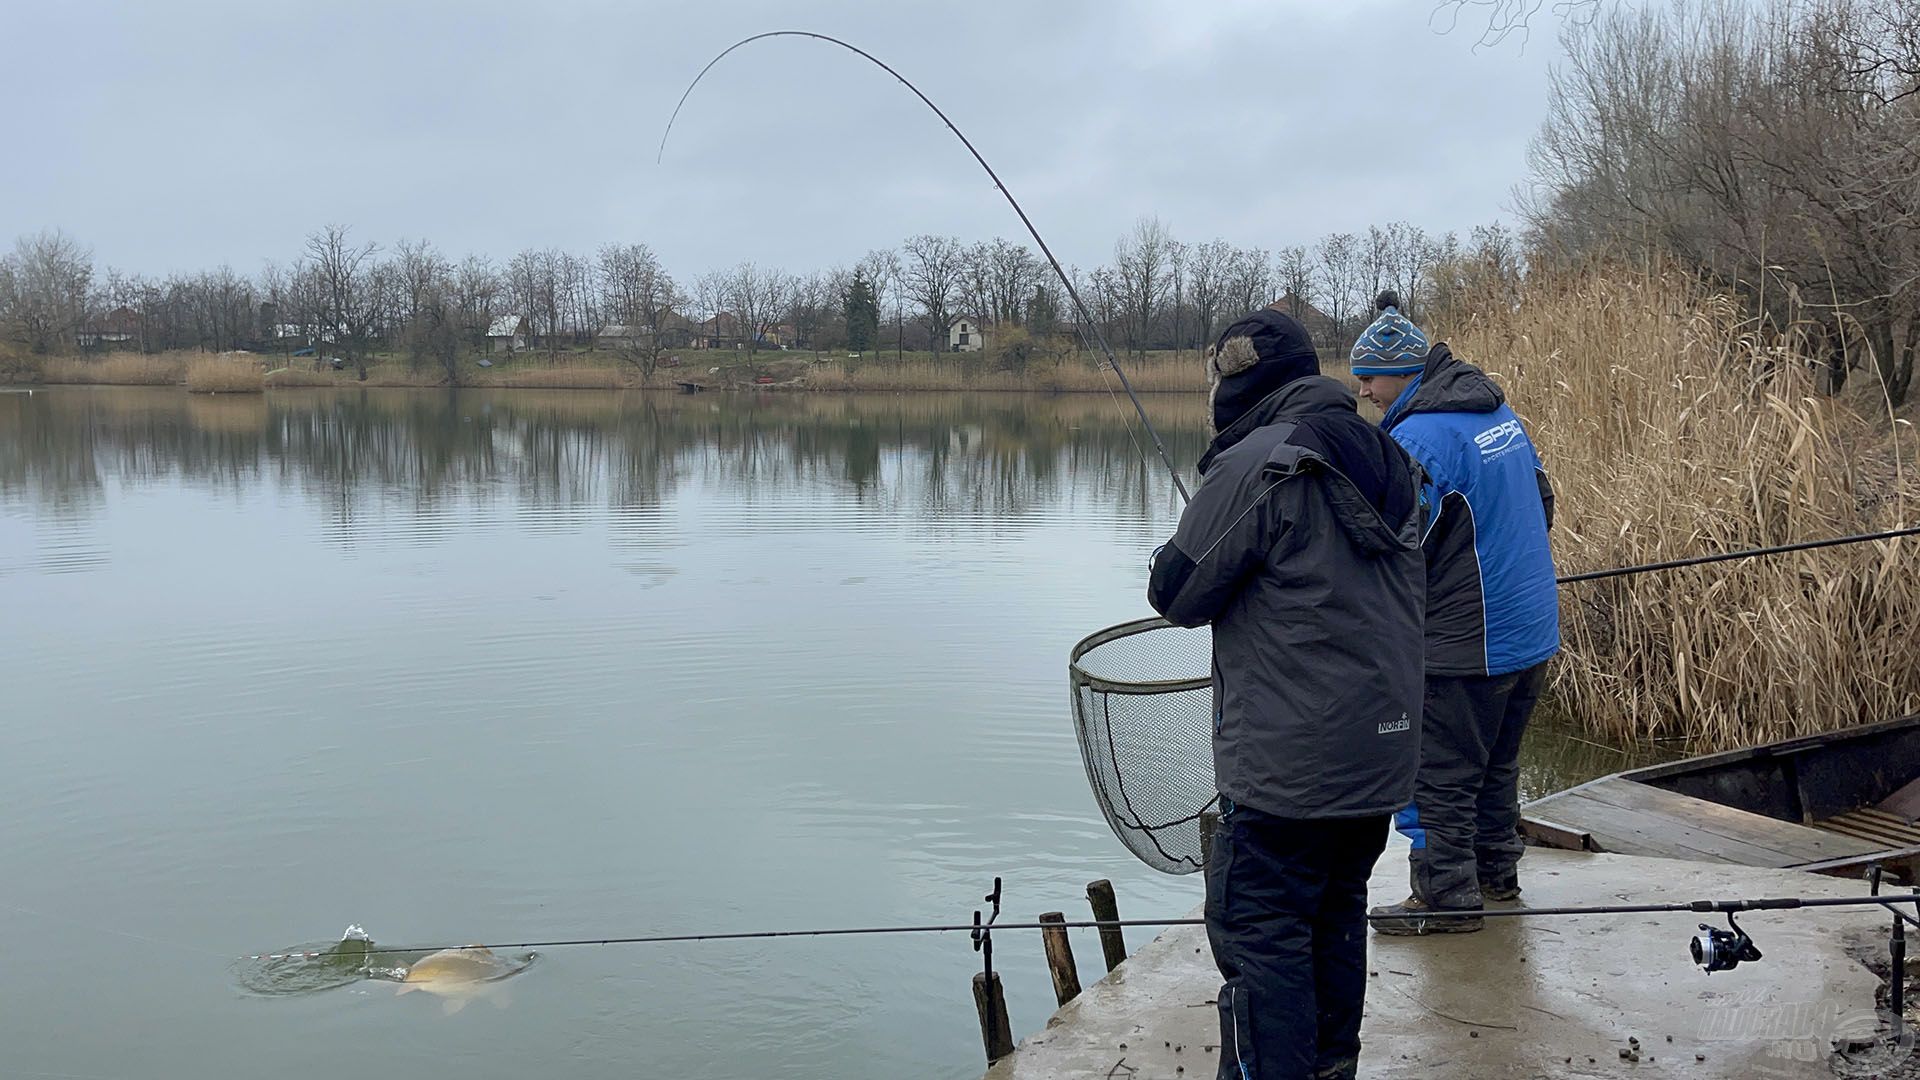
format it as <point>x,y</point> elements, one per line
<point>1493,616</point>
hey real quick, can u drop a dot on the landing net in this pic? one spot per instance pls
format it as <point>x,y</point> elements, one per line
<point>1143,710</point>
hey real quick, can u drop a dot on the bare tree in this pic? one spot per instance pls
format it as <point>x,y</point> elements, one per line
<point>579,311</point>
<point>1249,281</point>
<point>1208,269</point>
<point>533,283</point>
<point>1294,269</point>
<point>760,298</point>
<point>343,272</point>
<point>1498,20</point>
<point>1141,264</point>
<point>1015,272</point>
<point>1177,255</point>
<point>718,326</point>
<point>642,296</point>
<point>477,293</point>
<point>884,272</point>
<point>812,301</point>
<point>1409,256</point>
<point>44,289</point>
<point>931,270</point>
<point>975,293</point>
<point>435,333</point>
<point>1340,279</point>
<point>422,270</point>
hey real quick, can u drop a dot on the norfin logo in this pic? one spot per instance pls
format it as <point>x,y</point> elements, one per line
<point>1499,438</point>
<point>1391,726</point>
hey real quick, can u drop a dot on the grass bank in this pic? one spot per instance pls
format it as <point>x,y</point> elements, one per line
<point>1671,427</point>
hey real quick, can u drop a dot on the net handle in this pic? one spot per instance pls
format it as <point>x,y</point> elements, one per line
<point>1082,677</point>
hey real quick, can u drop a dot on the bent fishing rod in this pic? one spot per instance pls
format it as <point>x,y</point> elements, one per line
<point>1085,317</point>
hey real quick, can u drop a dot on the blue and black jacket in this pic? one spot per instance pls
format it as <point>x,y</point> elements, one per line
<point>1492,605</point>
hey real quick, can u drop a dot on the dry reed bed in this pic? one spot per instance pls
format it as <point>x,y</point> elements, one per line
<point>1159,373</point>
<point>559,377</point>
<point>117,369</point>
<point>226,373</point>
<point>1671,430</point>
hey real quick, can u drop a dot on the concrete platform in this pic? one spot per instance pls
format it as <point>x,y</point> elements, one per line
<point>1526,997</point>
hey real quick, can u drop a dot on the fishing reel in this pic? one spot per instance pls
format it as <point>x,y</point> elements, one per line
<point>1722,950</point>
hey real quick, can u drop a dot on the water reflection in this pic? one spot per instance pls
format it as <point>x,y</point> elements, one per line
<point>365,455</point>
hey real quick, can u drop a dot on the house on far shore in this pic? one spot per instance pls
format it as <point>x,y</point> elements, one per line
<point>120,327</point>
<point>1319,325</point>
<point>720,332</point>
<point>964,335</point>
<point>616,336</point>
<point>676,331</point>
<point>507,333</point>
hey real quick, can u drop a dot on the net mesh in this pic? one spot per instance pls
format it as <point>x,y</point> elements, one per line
<point>1143,710</point>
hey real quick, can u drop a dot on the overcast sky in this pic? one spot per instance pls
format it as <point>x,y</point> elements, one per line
<point>181,135</point>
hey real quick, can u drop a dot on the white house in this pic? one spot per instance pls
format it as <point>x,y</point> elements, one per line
<point>507,333</point>
<point>965,335</point>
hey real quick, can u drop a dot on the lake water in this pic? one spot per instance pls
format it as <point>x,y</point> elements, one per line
<point>508,666</point>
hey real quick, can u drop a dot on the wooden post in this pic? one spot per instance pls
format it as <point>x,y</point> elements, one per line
<point>1066,977</point>
<point>1209,821</point>
<point>996,1031</point>
<point>1106,908</point>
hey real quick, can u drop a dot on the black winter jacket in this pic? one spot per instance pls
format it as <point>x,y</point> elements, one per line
<point>1302,548</point>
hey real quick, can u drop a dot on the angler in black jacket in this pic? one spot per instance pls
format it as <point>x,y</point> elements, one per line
<point>1301,548</point>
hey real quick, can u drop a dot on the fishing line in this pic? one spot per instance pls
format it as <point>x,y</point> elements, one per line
<point>1750,553</point>
<point>1701,907</point>
<point>1086,317</point>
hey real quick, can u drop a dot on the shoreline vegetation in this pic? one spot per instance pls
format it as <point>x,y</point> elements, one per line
<point>1672,421</point>
<point>240,372</point>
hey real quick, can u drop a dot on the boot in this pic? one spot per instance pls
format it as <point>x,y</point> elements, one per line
<point>1411,917</point>
<point>1344,1069</point>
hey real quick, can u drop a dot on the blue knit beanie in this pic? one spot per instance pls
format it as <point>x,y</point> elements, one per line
<point>1392,345</point>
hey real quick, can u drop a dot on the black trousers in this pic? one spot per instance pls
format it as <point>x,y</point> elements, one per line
<point>1465,817</point>
<point>1286,913</point>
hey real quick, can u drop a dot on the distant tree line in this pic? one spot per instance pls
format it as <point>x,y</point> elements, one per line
<point>344,298</point>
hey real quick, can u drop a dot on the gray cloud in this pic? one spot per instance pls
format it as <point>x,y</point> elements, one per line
<point>184,135</point>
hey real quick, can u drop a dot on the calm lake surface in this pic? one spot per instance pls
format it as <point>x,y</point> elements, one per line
<point>506,666</point>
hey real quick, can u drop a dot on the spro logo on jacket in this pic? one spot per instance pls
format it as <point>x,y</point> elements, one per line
<point>1498,440</point>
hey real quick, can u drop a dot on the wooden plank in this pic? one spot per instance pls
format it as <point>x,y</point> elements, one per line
<point>1553,834</point>
<point>1904,803</point>
<point>1798,843</point>
<point>1636,832</point>
<point>1843,827</point>
<point>1873,832</point>
<point>1878,814</point>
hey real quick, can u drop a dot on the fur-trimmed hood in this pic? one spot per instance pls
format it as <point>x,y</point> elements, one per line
<point>1252,358</point>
